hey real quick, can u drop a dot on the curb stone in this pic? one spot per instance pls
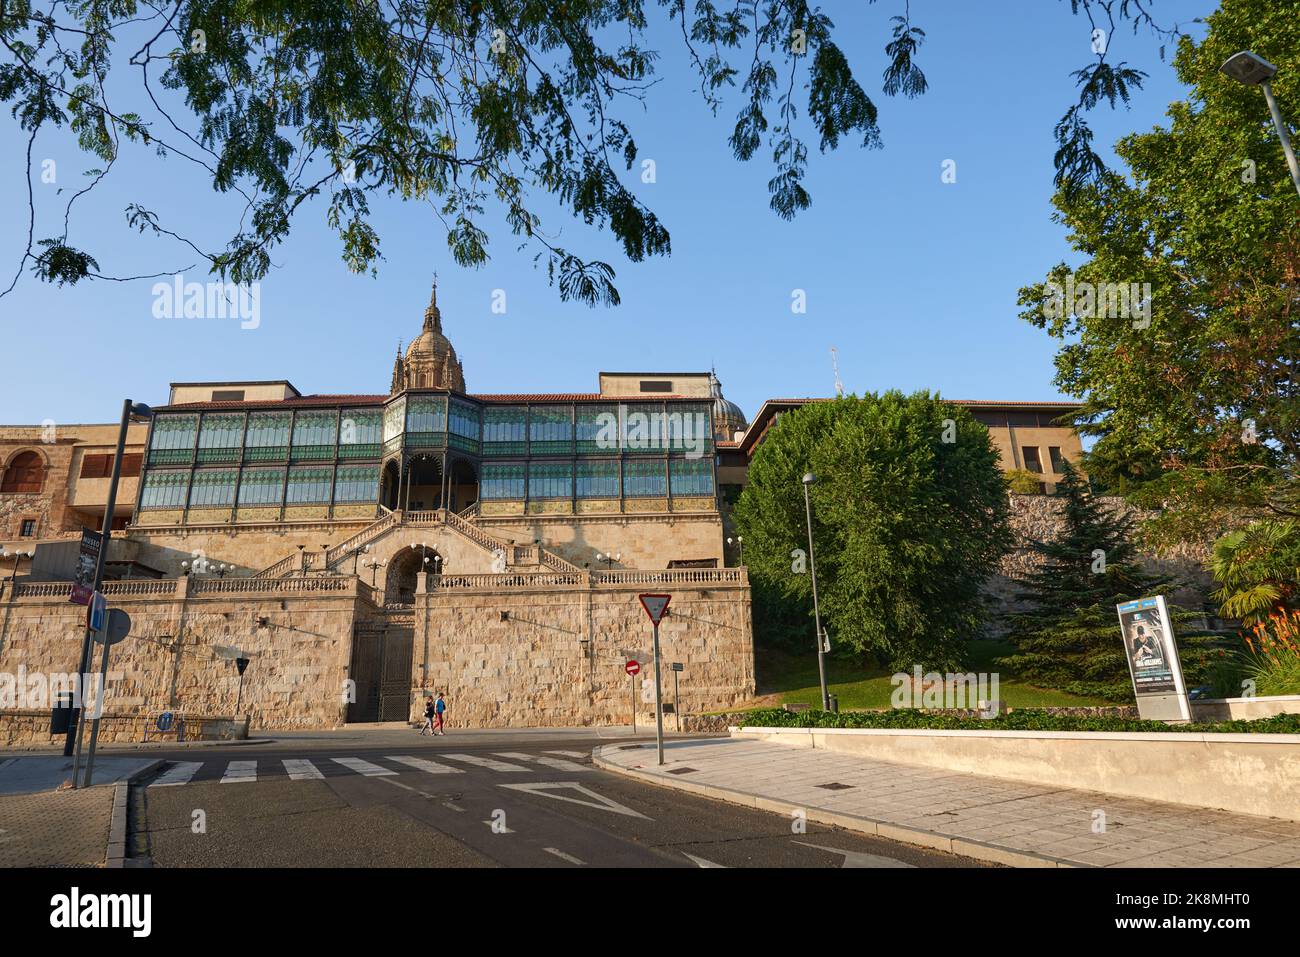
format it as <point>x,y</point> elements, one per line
<point>115,853</point>
<point>966,847</point>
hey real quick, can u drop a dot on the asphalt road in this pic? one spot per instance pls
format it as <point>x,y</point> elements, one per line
<point>469,799</point>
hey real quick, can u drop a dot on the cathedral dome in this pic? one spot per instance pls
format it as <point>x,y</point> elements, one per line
<point>728,419</point>
<point>430,361</point>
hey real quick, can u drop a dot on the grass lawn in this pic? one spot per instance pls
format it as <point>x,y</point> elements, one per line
<point>794,679</point>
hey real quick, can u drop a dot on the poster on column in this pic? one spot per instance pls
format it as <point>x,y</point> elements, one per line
<point>83,582</point>
<point>1152,655</point>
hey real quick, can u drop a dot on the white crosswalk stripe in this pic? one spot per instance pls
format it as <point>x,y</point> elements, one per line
<point>421,764</point>
<point>238,772</point>
<point>558,763</point>
<point>300,769</point>
<point>488,763</point>
<point>363,767</point>
<point>570,754</point>
<point>179,773</point>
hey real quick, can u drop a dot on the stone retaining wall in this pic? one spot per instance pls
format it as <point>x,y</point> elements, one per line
<point>28,728</point>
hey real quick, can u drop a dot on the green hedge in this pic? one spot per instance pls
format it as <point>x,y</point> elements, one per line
<point>1027,719</point>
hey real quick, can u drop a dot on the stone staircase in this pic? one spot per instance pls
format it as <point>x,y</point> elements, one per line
<point>515,555</point>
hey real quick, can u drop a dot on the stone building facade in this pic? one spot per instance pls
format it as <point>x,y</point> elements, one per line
<point>362,551</point>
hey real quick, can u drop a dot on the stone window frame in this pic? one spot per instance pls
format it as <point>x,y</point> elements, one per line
<point>44,468</point>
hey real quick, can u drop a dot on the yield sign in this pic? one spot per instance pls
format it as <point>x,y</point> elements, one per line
<point>592,799</point>
<point>655,605</point>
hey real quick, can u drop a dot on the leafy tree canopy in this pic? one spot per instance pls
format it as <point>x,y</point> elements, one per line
<point>909,520</point>
<point>460,104</point>
<point>1179,330</point>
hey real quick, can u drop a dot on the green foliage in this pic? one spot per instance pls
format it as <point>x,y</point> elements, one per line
<point>1258,569</point>
<point>1194,413</point>
<point>1021,720</point>
<point>907,527</point>
<point>1273,658</point>
<point>1068,637</point>
<point>1023,482</point>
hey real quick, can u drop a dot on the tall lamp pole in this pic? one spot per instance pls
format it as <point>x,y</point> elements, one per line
<point>129,409</point>
<point>1253,70</point>
<point>808,480</point>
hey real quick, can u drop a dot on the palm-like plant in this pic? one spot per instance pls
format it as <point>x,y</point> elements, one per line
<point>1258,569</point>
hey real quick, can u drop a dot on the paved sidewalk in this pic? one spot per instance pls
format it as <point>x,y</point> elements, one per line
<point>56,828</point>
<point>987,818</point>
<point>29,774</point>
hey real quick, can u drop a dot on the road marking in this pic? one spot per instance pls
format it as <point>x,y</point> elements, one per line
<point>485,762</point>
<point>240,771</point>
<point>564,857</point>
<point>570,754</point>
<point>179,773</point>
<point>300,769</point>
<point>701,862</point>
<point>598,801</point>
<point>858,858</point>
<point>407,787</point>
<point>454,807</point>
<point>542,759</point>
<point>363,767</point>
<point>420,764</point>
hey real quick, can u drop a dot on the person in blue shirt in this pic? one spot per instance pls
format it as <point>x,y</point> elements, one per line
<point>439,707</point>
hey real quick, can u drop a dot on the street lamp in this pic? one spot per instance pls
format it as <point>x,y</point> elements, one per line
<point>808,480</point>
<point>356,555</point>
<point>609,559</point>
<point>1253,70</point>
<point>130,410</point>
<point>739,542</point>
<point>373,564</point>
<point>18,557</point>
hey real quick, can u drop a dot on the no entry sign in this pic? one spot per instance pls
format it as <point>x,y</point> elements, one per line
<point>632,667</point>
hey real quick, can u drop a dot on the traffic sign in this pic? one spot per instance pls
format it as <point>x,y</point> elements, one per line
<point>633,667</point>
<point>118,627</point>
<point>98,610</point>
<point>655,605</point>
<point>677,666</point>
<point>165,721</point>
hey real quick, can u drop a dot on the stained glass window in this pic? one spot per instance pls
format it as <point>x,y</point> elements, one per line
<point>550,430</point>
<point>173,438</point>
<point>357,484</point>
<point>308,487</point>
<point>504,430</point>
<point>597,478</point>
<point>268,437</point>
<point>502,480</point>
<point>213,488</point>
<point>426,413</point>
<point>261,487</point>
<point>643,427</point>
<point>394,417</point>
<point>220,437</point>
<point>550,480</point>
<point>466,426</point>
<point>645,478</point>
<point>689,428</point>
<point>360,433</point>
<point>691,476</point>
<point>597,429</point>
<point>314,434</point>
<point>164,489</point>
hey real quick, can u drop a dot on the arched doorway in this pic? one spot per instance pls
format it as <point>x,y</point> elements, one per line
<point>462,486</point>
<point>403,573</point>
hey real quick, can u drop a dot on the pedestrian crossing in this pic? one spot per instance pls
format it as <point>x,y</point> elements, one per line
<point>320,767</point>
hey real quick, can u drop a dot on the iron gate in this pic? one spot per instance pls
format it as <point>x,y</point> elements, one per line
<point>381,668</point>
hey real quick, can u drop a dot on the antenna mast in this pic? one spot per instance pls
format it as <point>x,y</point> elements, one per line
<point>839,386</point>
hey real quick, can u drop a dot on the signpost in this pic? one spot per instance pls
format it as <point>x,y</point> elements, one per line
<point>1152,656</point>
<point>115,628</point>
<point>242,664</point>
<point>633,668</point>
<point>655,606</point>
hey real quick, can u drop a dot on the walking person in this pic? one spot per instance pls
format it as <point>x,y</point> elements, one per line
<point>439,707</point>
<point>428,717</point>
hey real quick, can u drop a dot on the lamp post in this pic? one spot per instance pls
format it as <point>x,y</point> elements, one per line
<point>808,480</point>
<point>1253,70</point>
<point>609,560</point>
<point>129,410</point>
<point>739,542</point>
<point>356,556</point>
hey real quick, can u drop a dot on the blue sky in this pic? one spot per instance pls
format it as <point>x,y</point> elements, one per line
<point>913,280</point>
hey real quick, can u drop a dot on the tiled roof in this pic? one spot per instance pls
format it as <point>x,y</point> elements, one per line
<point>293,402</point>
